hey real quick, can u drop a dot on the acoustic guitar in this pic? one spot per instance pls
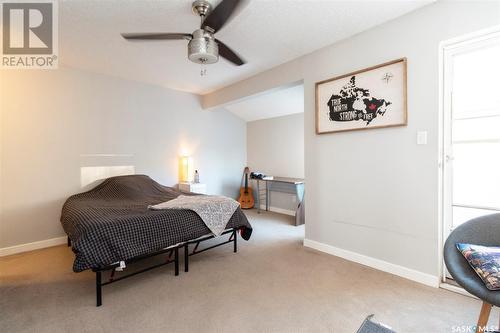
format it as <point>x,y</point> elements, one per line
<point>246,194</point>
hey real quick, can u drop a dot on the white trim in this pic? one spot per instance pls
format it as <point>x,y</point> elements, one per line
<point>278,210</point>
<point>455,289</point>
<point>407,273</point>
<point>7,251</point>
<point>471,38</point>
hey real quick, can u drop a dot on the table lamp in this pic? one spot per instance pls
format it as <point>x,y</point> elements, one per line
<point>186,169</point>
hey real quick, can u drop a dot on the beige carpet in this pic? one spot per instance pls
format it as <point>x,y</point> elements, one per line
<point>273,284</point>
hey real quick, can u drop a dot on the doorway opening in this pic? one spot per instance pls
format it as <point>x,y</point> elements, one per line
<point>275,151</point>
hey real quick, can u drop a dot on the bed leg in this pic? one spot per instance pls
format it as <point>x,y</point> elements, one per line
<point>186,257</point>
<point>235,240</point>
<point>176,261</point>
<point>98,287</point>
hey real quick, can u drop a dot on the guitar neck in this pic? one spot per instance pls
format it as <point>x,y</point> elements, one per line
<point>246,183</point>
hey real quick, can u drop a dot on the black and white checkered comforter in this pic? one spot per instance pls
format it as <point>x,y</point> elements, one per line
<point>111,222</point>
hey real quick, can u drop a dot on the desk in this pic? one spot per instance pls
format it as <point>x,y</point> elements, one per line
<point>287,185</point>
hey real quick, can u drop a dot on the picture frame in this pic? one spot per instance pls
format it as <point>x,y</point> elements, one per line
<point>373,97</point>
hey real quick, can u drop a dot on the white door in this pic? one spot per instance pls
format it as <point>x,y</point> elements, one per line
<point>471,105</point>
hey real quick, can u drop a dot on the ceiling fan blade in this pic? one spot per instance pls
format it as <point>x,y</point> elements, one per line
<point>221,14</point>
<point>156,36</point>
<point>226,52</point>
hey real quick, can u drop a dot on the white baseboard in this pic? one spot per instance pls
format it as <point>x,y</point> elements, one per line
<point>278,210</point>
<point>7,251</point>
<point>456,289</point>
<point>407,273</point>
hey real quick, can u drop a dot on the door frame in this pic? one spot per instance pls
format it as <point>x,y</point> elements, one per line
<point>447,49</point>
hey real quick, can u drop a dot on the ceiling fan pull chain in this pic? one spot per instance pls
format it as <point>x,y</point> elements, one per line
<point>203,71</point>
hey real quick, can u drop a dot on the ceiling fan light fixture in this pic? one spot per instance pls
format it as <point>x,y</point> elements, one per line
<point>202,48</point>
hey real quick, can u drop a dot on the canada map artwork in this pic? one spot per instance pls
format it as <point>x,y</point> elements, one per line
<point>353,103</point>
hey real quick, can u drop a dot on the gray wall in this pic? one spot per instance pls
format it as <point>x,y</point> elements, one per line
<point>52,120</point>
<point>375,192</point>
<point>275,146</point>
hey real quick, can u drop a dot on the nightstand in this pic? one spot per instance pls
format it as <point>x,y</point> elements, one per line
<point>193,188</point>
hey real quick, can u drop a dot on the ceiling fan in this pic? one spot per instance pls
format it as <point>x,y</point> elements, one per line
<point>203,47</point>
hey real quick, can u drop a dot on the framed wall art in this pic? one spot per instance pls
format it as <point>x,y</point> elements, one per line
<point>373,97</point>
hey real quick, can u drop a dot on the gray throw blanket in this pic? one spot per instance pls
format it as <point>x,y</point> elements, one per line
<point>215,211</point>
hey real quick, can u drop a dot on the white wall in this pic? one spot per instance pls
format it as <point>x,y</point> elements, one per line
<point>275,147</point>
<point>52,121</point>
<point>375,192</point>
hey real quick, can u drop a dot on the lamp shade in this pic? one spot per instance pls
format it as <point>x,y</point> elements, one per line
<point>186,169</point>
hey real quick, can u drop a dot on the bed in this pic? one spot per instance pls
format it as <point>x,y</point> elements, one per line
<point>111,226</point>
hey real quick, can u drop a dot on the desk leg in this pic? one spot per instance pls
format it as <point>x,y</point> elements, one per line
<point>258,196</point>
<point>300,212</point>
<point>267,196</point>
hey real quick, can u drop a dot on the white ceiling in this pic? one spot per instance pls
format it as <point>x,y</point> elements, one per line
<point>270,104</point>
<point>266,33</point>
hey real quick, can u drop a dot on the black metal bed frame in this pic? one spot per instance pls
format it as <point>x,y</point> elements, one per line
<point>173,250</point>
<point>232,239</point>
